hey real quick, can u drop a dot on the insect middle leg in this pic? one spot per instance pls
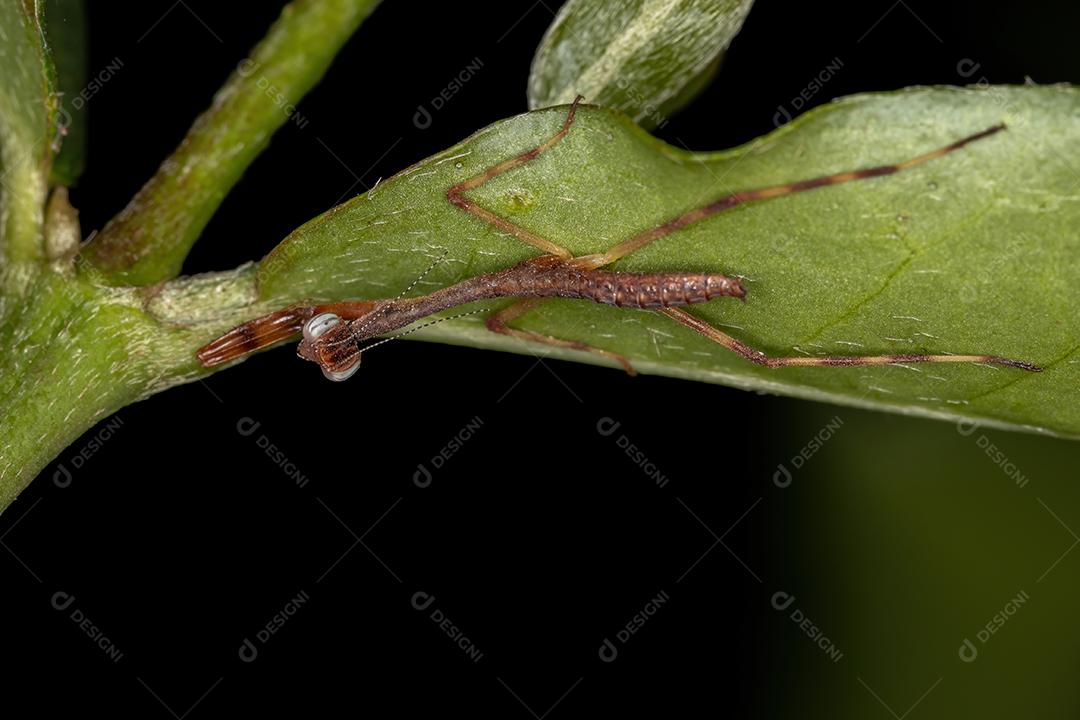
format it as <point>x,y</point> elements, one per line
<point>497,322</point>
<point>456,194</point>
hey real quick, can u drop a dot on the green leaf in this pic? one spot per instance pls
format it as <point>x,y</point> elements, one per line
<point>27,129</point>
<point>65,27</point>
<point>148,241</point>
<point>974,252</point>
<point>647,58</point>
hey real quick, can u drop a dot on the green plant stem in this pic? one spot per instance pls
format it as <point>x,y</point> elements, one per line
<point>148,241</point>
<point>76,352</point>
<point>27,112</point>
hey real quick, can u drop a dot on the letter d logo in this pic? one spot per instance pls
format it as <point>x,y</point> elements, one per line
<point>966,427</point>
<point>421,118</point>
<point>246,426</point>
<point>782,477</point>
<point>422,477</point>
<point>782,600</point>
<point>422,600</point>
<point>248,652</point>
<point>62,600</point>
<point>62,477</point>
<point>607,426</point>
<point>782,116</point>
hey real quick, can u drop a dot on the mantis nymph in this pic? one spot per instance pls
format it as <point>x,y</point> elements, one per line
<point>333,335</point>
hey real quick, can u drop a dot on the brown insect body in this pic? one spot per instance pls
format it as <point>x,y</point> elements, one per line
<point>540,277</point>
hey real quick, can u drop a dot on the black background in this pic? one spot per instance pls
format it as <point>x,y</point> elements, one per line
<point>180,538</point>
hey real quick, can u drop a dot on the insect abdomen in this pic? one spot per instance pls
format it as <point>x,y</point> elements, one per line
<point>657,290</point>
<point>547,276</point>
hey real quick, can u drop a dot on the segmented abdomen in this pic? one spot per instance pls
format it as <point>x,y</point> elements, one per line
<point>656,290</point>
<point>545,276</point>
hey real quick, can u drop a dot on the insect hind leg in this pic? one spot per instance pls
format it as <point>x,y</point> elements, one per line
<point>759,358</point>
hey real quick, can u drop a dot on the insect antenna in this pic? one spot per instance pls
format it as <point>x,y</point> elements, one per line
<point>411,330</point>
<point>383,310</point>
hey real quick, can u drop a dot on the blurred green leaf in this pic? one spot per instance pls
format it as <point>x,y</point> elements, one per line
<point>971,253</point>
<point>647,58</point>
<point>27,129</point>
<point>939,560</point>
<point>65,28</point>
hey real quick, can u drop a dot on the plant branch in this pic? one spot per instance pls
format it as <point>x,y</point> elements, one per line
<point>148,241</point>
<point>27,126</point>
<point>77,353</point>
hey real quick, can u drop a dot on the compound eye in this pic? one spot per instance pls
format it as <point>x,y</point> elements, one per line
<point>317,326</point>
<point>341,375</point>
